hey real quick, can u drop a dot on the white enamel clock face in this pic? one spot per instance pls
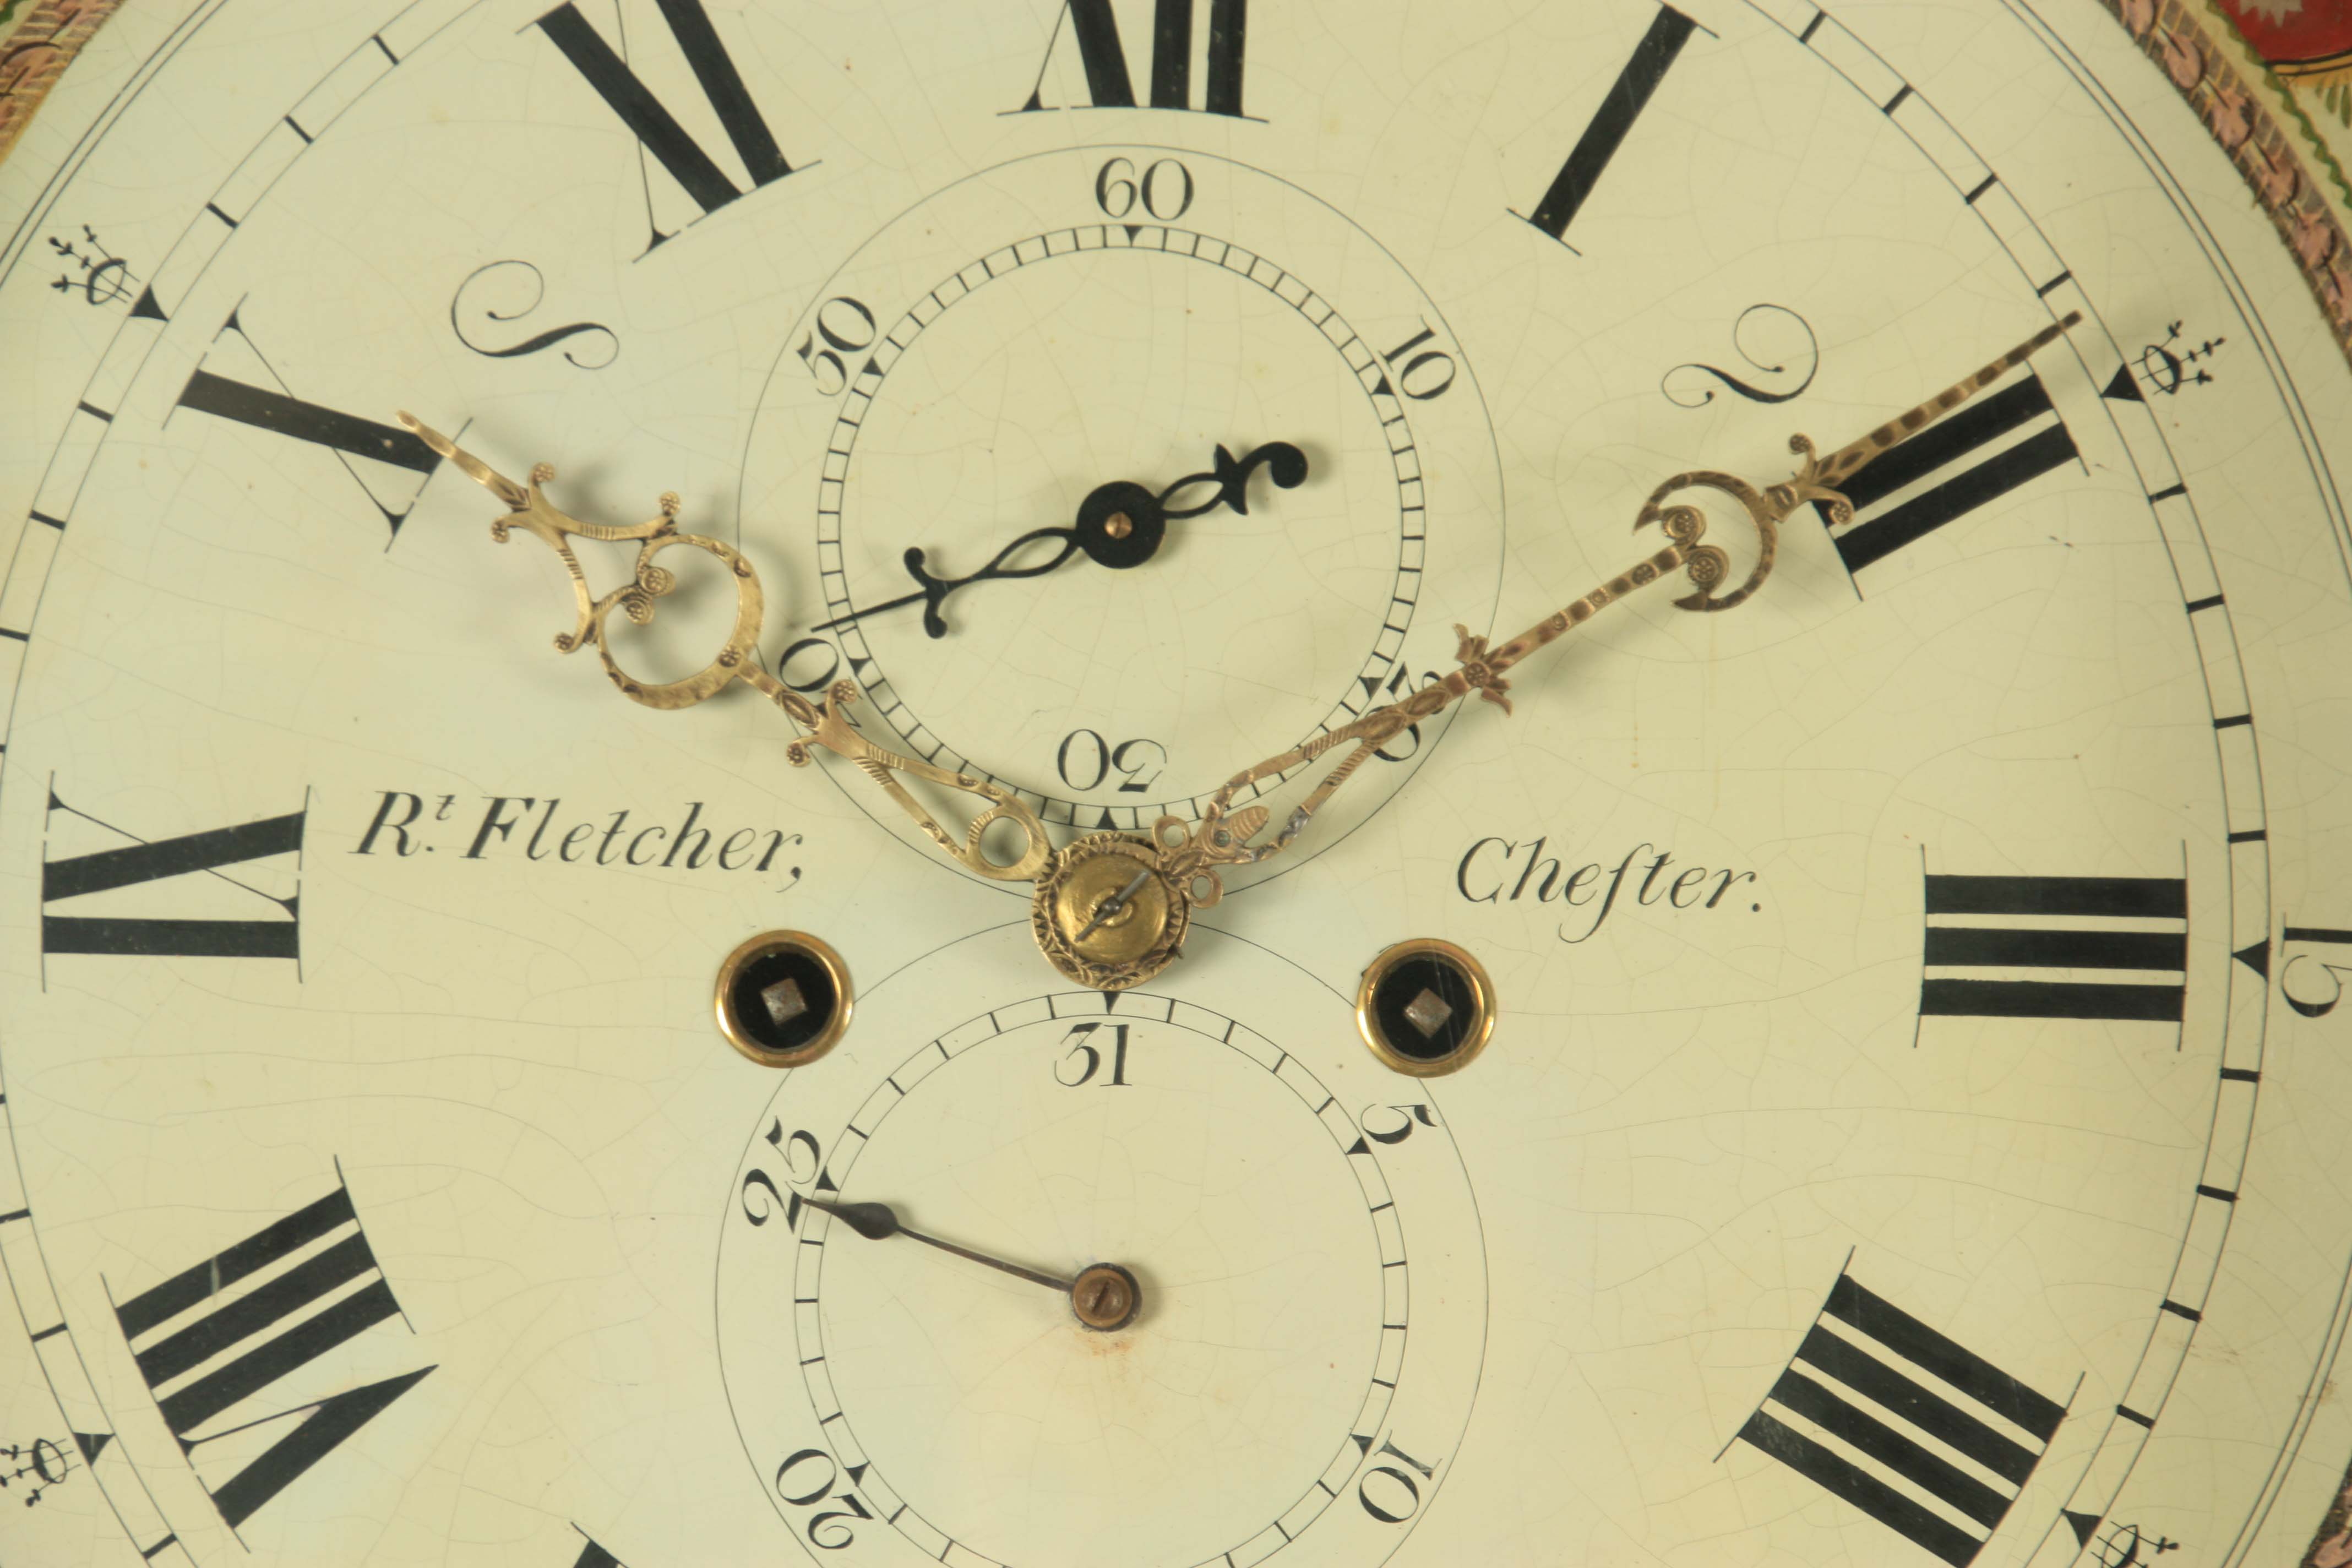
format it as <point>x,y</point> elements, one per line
<point>1908,1133</point>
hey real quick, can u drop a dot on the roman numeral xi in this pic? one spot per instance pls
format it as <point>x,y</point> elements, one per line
<point>252,1317</point>
<point>1849,1413</point>
<point>154,864</point>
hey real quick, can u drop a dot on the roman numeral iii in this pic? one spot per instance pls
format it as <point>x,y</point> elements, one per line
<point>1094,29</point>
<point>1868,1410</point>
<point>158,862</point>
<point>2093,924</point>
<point>212,1337</point>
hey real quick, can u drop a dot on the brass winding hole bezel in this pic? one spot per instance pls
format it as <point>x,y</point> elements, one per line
<point>811,957</point>
<point>1472,1003</point>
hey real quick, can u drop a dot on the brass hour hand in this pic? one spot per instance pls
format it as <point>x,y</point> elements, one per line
<point>1090,914</point>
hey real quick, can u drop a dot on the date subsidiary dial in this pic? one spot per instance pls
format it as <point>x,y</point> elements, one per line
<point>1299,1229</point>
<point>1261,464</point>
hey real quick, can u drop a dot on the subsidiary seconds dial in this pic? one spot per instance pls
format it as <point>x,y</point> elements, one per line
<point>1125,466</point>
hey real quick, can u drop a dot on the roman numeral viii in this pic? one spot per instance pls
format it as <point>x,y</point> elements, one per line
<point>656,128</point>
<point>2113,927</point>
<point>1965,460</point>
<point>143,862</point>
<point>1109,86</point>
<point>1628,96</point>
<point>1851,1411</point>
<point>246,1318</point>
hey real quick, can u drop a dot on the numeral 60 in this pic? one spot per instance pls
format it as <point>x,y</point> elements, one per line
<point>1117,191</point>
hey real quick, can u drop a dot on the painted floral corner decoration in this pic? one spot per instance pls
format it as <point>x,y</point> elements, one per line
<point>2307,44</point>
<point>2262,129</point>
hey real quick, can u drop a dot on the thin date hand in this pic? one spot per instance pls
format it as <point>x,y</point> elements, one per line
<point>1104,1296</point>
<point>1119,525</point>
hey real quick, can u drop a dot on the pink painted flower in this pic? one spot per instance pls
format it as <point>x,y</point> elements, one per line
<point>2183,62</point>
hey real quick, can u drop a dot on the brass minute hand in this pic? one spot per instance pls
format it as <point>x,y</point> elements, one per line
<point>1188,858</point>
<point>824,723</point>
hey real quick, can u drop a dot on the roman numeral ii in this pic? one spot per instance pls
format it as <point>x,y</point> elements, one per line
<point>215,1335</point>
<point>1628,96</point>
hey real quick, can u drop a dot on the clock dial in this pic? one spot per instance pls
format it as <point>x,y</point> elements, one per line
<point>1911,983</point>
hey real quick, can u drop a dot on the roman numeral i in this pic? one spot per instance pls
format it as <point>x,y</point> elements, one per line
<point>211,1337</point>
<point>1606,130</point>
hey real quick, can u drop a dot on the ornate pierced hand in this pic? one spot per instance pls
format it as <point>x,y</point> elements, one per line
<point>1111,909</point>
<point>824,723</point>
<point>1187,859</point>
